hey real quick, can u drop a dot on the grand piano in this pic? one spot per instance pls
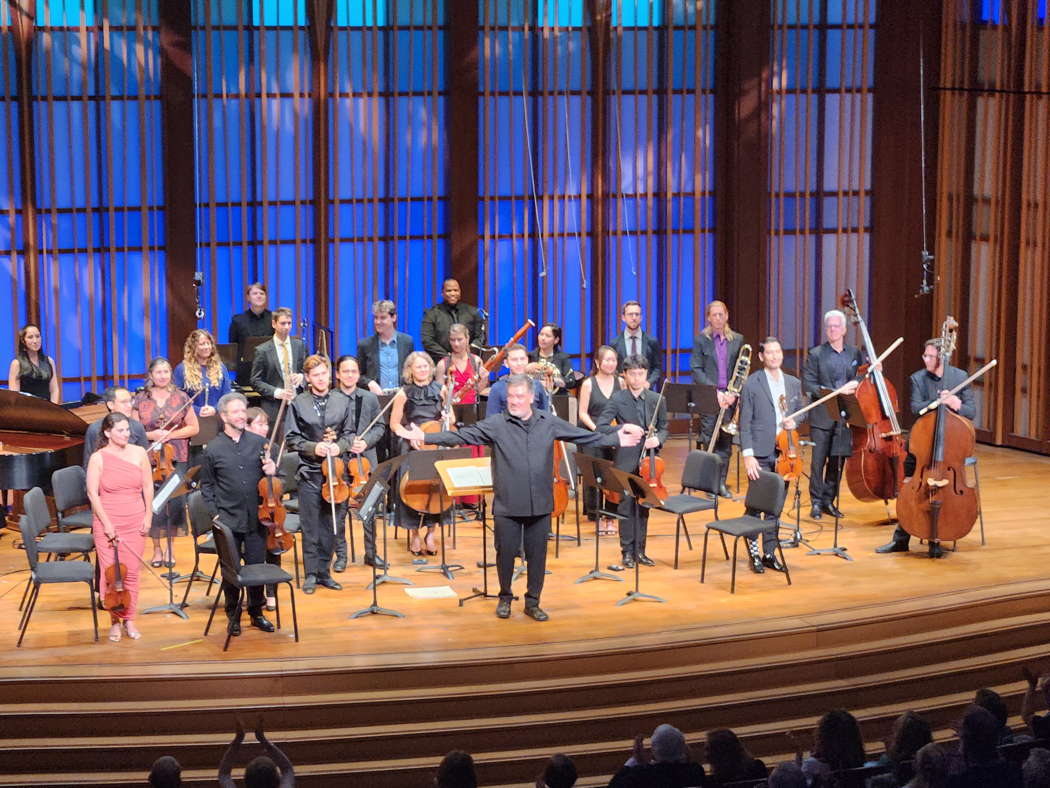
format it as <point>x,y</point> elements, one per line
<point>38,437</point>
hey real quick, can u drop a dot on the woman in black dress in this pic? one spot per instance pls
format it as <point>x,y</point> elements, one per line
<point>594,394</point>
<point>32,371</point>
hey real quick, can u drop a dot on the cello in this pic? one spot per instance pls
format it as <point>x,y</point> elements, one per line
<point>938,503</point>
<point>875,468</point>
<point>423,495</point>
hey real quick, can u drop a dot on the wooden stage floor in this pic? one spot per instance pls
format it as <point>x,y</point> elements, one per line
<point>584,618</point>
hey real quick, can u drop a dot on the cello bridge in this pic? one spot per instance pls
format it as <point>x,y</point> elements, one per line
<point>936,482</point>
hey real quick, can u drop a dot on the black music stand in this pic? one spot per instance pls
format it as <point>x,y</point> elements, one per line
<point>681,398</point>
<point>595,472</point>
<point>836,407</point>
<point>374,492</point>
<point>392,464</point>
<point>420,467</point>
<point>174,487</point>
<point>637,490</point>
<point>796,536</point>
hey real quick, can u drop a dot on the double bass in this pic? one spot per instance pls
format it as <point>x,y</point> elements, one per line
<point>938,503</point>
<point>875,468</point>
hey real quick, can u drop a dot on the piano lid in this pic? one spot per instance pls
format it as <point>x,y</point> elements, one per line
<point>23,413</point>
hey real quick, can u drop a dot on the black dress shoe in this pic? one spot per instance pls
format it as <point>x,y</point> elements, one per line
<point>645,560</point>
<point>503,608</point>
<point>815,512</point>
<point>339,565</point>
<point>262,622</point>
<point>628,562</point>
<point>724,491</point>
<point>833,510</point>
<point>892,547</point>
<point>234,628</point>
<point>756,565</point>
<point>773,563</point>
<point>536,613</point>
<point>328,582</point>
<point>616,567</point>
<point>310,584</point>
<point>376,561</point>
<point>935,550</point>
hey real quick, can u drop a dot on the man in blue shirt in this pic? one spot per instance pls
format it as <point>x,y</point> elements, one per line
<point>517,360</point>
<point>381,356</point>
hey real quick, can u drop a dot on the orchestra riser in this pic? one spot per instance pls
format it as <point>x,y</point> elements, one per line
<point>390,725</point>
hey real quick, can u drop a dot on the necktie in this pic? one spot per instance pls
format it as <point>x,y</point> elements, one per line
<point>634,346</point>
<point>286,362</point>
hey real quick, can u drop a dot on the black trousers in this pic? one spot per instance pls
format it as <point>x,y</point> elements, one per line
<point>900,536</point>
<point>825,468</point>
<point>769,537</point>
<point>315,518</point>
<point>724,444</point>
<point>510,533</point>
<point>370,539</point>
<point>251,545</point>
<point>635,525</point>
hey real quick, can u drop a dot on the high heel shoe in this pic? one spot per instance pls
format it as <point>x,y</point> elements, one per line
<point>133,634</point>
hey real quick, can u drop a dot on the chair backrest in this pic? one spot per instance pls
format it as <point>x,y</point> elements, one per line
<point>200,518</point>
<point>229,560</point>
<point>35,505</point>
<point>29,534</point>
<point>288,471</point>
<point>702,471</point>
<point>766,494</point>
<point>70,487</point>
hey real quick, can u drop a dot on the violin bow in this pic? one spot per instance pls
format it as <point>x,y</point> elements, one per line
<point>936,403</point>
<point>157,444</point>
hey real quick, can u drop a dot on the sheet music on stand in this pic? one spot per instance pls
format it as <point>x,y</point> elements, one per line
<point>471,475</point>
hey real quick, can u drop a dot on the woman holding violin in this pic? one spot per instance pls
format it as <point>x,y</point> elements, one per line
<point>232,467</point>
<point>559,376</point>
<point>120,488</point>
<point>420,401</point>
<point>165,412</point>
<point>595,392</point>
<point>320,428</point>
<point>201,368</point>
<point>468,380</point>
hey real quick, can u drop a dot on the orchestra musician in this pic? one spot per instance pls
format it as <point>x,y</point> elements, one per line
<point>635,404</point>
<point>548,350</point>
<point>32,371</point>
<point>436,321</point>
<point>117,400</point>
<point>829,365</point>
<point>595,392</point>
<point>933,382</point>
<point>120,488</point>
<point>468,380</point>
<point>310,415</point>
<point>154,407</point>
<point>632,341</point>
<point>231,469</point>
<point>201,363</point>
<point>715,352</point>
<point>517,361</point>
<point>364,407</point>
<point>276,368</point>
<point>762,418</point>
<point>381,356</point>
<point>255,321</point>
<point>522,445</point>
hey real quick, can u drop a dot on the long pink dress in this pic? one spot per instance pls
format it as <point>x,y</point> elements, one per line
<point>120,493</point>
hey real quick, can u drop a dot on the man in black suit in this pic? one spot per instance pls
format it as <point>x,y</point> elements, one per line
<point>255,321</point>
<point>828,366</point>
<point>439,318</point>
<point>634,404</point>
<point>632,341</point>
<point>278,363</point>
<point>762,415</point>
<point>381,356</point>
<point>715,353</point>
<point>364,406</point>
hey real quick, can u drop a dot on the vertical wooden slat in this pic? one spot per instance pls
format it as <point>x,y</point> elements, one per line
<point>600,12</point>
<point>23,32</point>
<point>319,16</point>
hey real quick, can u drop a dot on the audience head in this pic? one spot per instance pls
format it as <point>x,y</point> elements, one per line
<point>726,754</point>
<point>456,771</point>
<point>166,772</point>
<point>668,745</point>
<point>910,733</point>
<point>262,772</point>
<point>1036,768</point>
<point>990,700</point>
<point>979,735</point>
<point>560,772</point>
<point>837,741</point>
<point>787,775</point>
<point>931,767</point>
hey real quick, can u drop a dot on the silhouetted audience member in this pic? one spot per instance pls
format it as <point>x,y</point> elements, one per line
<point>1036,769</point>
<point>730,761</point>
<point>166,772</point>
<point>456,770</point>
<point>560,772</point>
<point>787,775</point>
<point>1038,724</point>
<point>991,700</point>
<point>837,745</point>
<point>910,734</point>
<point>931,767</point>
<point>978,745</point>
<point>272,770</point>
<point>669,767</point>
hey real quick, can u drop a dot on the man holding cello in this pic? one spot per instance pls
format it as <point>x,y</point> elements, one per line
<point>231,469</point>
<point>932,383</point>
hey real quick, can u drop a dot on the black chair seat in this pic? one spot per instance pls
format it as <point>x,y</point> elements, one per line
<point>292,524</point>
<point>207,546</point>
<point>745,526</point>
<point>66,543</point>
<point>83,519</point>
<point>64,572</point>
<point>292,505</point>
<point>687,504</point>
<point>262,575</point>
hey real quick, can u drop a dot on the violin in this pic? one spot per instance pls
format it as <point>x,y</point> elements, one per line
<point>789,461</point>
<point>335,488</point>
<point>651,467</point>
<point>161,453</point>
<point>117,598</point>
<point>272,512</point>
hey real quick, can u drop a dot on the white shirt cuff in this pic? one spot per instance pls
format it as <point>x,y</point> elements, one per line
<point>748,453</point>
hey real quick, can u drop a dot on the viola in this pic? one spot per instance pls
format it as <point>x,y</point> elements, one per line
<point>789,461</point>
<point>117,598</point>
<point>651,467</point>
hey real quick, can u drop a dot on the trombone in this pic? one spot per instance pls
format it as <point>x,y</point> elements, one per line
<point>735,386</point>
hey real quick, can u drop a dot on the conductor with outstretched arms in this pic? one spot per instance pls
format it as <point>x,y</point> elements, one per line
<point>522,442</point>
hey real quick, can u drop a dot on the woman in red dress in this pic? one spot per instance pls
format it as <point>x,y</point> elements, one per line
<point>468,380</point>
<point>120,488</point>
